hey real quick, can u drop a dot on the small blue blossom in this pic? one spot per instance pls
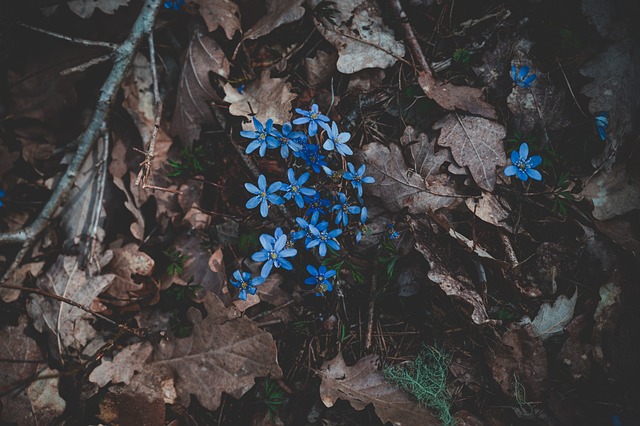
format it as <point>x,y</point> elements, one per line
<point>295,189</point>
<point>344,209</point>
<point>522,166</point>
<point>263,137</point>
<point>391,230</point>
<point>336,140</point>
<point>245,283</point>
<point>173,4</point>
<point>2,194</point>
<point>304,230</point>
<point>287,139</point>
<point>319,278</point>
<point>274,252</point>
<point>361,226</point>
<point>311,155</point>
<point>357,178</point>
<point>263,195</point>
<point>602,122</point>
<point>321,238</point>
<point>520,77</point>
<point>316,207</point>
<point>313,117</point>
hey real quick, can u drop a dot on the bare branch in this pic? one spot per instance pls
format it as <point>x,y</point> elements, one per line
<point>76,40</point>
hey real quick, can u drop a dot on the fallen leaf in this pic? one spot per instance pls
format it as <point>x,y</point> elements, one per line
<point>475,142</point>
<point>85,9</point>
<point>621,232</point>
<point>268,97</point>
<point>424,159</point>
<point>33,269</point>
<point>601,13</point>
<point>196,219</point>
<point>551,319</point>
<point>362,384</point>
<point>118,165</point>
<point>123,366</point>
<point>22,362</point>
<point>606,316</point>
<point>195,92</point>
<point>398,187</point>
<point>7,158</point>
<point>489,208</point>
<point>129,265</point>
<point>137,226</point>
<point>452,97</point>
<point>279,12</point>
<point>224,353</point>
<point>321,67</point>
<point>361,20</point>
<point>221,13</point>
<point>575,352</point>
<point>613,193</point>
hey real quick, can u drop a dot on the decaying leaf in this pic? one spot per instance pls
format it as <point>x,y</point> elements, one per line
<point>362,384</point>
<point>195,93</point>
<point>137,226</point>
<point>127,262</point>
<point>621,232</point>
<point>606,316</point>
<point>279,12</point>
<point>33,269</point>
<point>601,13</point>
<point>475,142</point>
<point>552,319</point>
<point>490,209</point>
<point>7,158</point>
<point>453,285</point>
<point>68,325</point>
<point>123,366</point>
<point>221,13</point>
<point>268,97</point>
<point>575,352</point>
<point>361,20</point>
<point>224,353</point>
<point>612,193</point>
<point>320,67</point>
<point>398,187</point>
<point>85,9</point>
<point>21,363</point>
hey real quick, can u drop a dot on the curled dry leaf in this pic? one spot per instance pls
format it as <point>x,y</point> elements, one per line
<point>362,384</point>
<point>489,208</point>
<point>612,193</point>
<point>321,67</point>
<point>621,232</point>
<point>195,92</point>
<point>33,269</point>
<point>606,316</point>
<point>126,263</point>
<point>551,319</point>
<point>279,12</point>
<point>224,353</point>
<point>123,366</point>
<point>361,20</point>
<point>475,142</point>
<point>137,226</point>
<point>85,9</point>
<point>221,13</point>
<point>268,97</point>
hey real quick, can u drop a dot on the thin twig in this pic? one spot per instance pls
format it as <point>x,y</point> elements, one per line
<point>90,252</point>
<point>123,56</point>
<point>372,306</point>
<point>90,63</point>
<point>76,40</point>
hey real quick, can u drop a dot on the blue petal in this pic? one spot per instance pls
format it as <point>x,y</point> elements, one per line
<point>322,250</point>
<point>515,157</point>
<point>285,264</point>
<point>301,120</point>
<point>529,80</point>
<point>264,208</point>
<point>289,252</point>
<point>534,174</point>
<point>333,244</point>
<point>252,188</point>
<point>243,294</point>
<point>367,179</point>
<point>602,133</point>
<point>524,151</point>
<point>249,134</point>
<point>523,72</point>
<point>260,256</point>
<point>313,128</point>
<point>535,161</point>
<point>280,243</point>
<point>328,145</point>
<point>312,270</point>
<point>274,187</point>
<point>267,241</point>
<point>253,146</point>
<point>510,170</point>
<point>275,199</point>
<point>513,72</point>
<point>253,202</point>
<point>522,175</point>
<point>266,268</point>
<point>262,183</point>
<point>310,280</point>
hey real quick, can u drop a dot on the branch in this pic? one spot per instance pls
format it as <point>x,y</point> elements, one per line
<point>123,56</point>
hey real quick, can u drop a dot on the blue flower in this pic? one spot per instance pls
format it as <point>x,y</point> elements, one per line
<point>311,155</point>
<point>336,140</point>
<point>523,166</point>
<point>262,138</point>
<point>245,283</point>
<point>344,209</point>
<point>391,230</point>
<point>2,194</point>
<point>313,117</point>
<point>274,252</point>
<point>295,188</point>
<point>288,139</point>
<point>319,279</point>
<point>316,206</point>
<point>357,178</point>
<point>520,77</point>
<point>321,238</point>
<point>304,230</point>
<point>602,122</point>
<point>263,195</point>
<point>361,226</point>
<point>173,4</point>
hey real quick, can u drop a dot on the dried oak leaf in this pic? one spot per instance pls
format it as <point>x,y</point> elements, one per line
<point>452,97</point>
<point>489,208</point>
<point>86,8</point>
<point>137,226</point>
<point>606,316</point>
<point>221,13</point>
<point>126,263</point>
<point>123,366</point>
<point>22,361</point>
<point>67,325</point>
<point>321,67</point>
<point>575,352</point>
<point>279,12</point>
<point>269,98</point>
<point>601,13</point>
<point>613,193</point>
<point>552,319</point>
<point>33,269</point>
<point>225,353</point>
<point>361,20</point>
<point>362,384</point>
<point>475,142</point>
<point>621,232</point>
<point>399,187</point>
<point>195,92</point>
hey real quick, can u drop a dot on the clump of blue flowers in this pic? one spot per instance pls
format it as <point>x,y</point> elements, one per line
<point>326,200</point>
<point>523,165</point>
<point>522,78</point>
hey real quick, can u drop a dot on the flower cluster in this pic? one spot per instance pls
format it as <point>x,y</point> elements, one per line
<point>327,201</point>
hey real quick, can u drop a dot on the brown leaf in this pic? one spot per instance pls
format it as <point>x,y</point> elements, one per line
<point>606,317</point>
<point>269,98</point>
<point>279,12</point>
<point>118,165</point>
<point>137,226</point>
<point>475,142</point>
<point>574,352</point>
<point>320,67</point>
<point>224,353</point>
<point>7,158</point>
<point>552,318</point>
<point>85,9</point>
<point>451,97</point>
<point>362,384</point>
<point>489,208</point>
<point>123,366</point>
<point>221,13</point>
<point>613,193</point>
<point>21,362</point>
<point>33,269</point>
<point>621,232</point>
<point>519,354</point>
<point>195,93</point>
<point>126,263</point>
